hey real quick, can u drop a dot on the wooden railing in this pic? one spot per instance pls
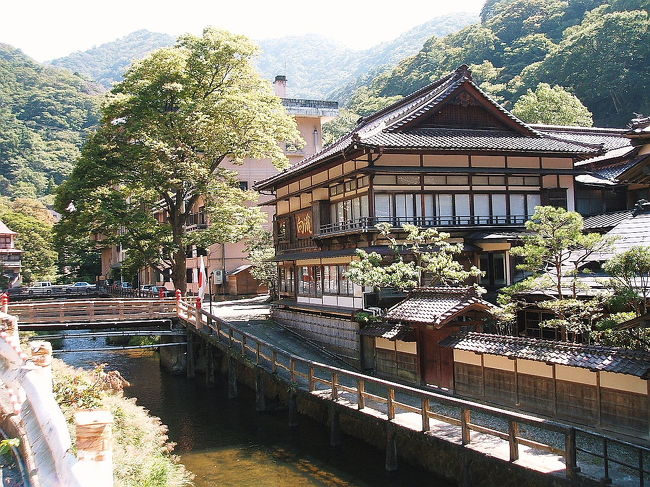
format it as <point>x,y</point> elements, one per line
<point>68,311</point>
<point>392,398</point>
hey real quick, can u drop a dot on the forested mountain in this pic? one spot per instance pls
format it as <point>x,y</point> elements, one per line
<point>44,115</point>
<point>598,50</point>
<point>106,63</point>
<point>315,66</point>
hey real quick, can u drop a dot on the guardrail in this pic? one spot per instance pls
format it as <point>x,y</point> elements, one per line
<point>394,397</point>
<point>31,413</point>
<point>94,310</point>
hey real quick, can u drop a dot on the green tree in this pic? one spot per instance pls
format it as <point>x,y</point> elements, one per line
<point>165,131</point>
<point>260,249</point>
<point>554,250</point>
<point>630,277</point>
<point>555,106</point>
<point>431,258</point>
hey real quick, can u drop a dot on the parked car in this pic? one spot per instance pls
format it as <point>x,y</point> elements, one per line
<point>166,292</point>
<point>80,287</point>
<point>146,287</point>
<point>40,287</point>
<point>15,291</point>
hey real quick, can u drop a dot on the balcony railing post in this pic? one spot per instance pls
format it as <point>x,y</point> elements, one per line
<point>335,389</point>
<point>513,432</point>
<point>390,403</point>
<point>465,418</point>
<point>312,382</point>
<point>570,457</point>
<point>426,426</point>
<point>361,398</point>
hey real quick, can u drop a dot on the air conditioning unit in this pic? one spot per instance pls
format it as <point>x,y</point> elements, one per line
<point>218,276</point>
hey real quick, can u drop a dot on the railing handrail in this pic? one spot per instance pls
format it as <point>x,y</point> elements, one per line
<point>252,343</point>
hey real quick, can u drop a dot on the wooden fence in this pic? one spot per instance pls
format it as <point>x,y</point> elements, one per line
<point>394,397</point>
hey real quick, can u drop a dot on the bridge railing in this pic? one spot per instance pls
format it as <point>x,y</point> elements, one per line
<point>392,399</point>
<point>63,311</point>
<point>31,413</point>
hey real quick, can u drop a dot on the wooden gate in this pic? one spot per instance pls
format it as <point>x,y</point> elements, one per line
<point>436,362</point>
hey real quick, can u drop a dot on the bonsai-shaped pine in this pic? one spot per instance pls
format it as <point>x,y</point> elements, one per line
<point>429,254</point>
<point>555,251</point>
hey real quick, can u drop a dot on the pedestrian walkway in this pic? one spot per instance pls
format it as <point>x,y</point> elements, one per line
<point>251,316</point>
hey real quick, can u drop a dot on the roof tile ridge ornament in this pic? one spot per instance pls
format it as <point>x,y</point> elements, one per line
<point>464,70</point>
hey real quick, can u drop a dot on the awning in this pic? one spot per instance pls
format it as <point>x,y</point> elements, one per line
<point>388,330</point>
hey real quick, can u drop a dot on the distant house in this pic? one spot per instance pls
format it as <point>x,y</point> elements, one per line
<point>10,256</point>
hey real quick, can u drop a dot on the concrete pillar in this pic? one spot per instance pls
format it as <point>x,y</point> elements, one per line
<point>95,446</point>
<point>293,409</point>
<point>41,352</point>
<point>391,450</point>
<point>191,366</point>
<point>260,399</point>
<point>335,426</point>
<point>232,378</point>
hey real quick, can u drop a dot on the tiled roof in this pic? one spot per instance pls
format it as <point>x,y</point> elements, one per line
<point>4,229</point>
<point>388,330</point>
<point>594,180</point>
<point>631,232</point>
<point>614,171</point>
<point>606,220</point>
<point>597,136</point>
<point>596,358</point>
<point>436,305</point>
<point>611,155</point>
<point>468,139</point>
<point>389,128</point>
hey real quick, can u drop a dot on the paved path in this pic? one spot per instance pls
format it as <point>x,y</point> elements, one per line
<point>252,316</point>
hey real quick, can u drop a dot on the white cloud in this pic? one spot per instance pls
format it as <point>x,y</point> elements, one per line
<point>45,29</point>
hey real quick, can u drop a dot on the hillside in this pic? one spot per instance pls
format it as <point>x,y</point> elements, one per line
<point>316,66</point>
<point>311,74</point>
<point>44,115</point>
<point>106,63</point>
<point>599,51</point>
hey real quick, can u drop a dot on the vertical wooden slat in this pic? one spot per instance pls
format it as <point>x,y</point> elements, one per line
<point>570,458</point>
<point>361,398</point>
<point>465,418</point>
<point>274,360</point>
<point>292,368</point>
<point>312,383</point>
<point>243,344</point>
<point>513,432</point>
<point>426,426</point>
<point>257,353</point>
<point>606,478</point>
<point>391,403</point>
<point>335,382</point>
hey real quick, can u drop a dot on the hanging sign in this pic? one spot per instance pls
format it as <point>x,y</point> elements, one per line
<point>304,224</point>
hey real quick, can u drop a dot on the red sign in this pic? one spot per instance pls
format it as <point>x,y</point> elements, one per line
<point>304,224</point>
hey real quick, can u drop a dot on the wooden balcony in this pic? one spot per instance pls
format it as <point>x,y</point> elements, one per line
<point>367,224</point>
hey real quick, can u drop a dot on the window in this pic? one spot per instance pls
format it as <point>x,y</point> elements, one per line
<point>493,264</point>
<point>189,273</point>
<point>446,179</point>
<point>349,210</point>
<point>398,208</point>
<point>451,208</point>
<point>335,282</point>
<point>351,185</point>
<point>309,281</point>
<point>243,185</point>
<point>488,180</point>
<point>523,180</point>
<point>286,279</point>
<point>399,179</point>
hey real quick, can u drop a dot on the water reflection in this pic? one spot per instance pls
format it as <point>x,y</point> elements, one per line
<point>227,443</point>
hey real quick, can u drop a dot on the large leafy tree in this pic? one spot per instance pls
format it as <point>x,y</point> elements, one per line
<point>164,134</point>
<point>552,105</point>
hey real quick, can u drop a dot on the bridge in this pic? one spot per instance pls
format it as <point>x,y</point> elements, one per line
<point>517,447</point>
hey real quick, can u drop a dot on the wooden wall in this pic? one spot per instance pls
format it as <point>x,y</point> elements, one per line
<point>616,402</point>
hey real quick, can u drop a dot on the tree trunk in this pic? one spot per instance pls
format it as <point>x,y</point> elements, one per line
<point>179,271</point>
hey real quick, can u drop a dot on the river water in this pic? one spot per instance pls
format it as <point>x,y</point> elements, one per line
<point>227,443</point>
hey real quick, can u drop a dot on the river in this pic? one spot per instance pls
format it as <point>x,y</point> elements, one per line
<point>227,443</point>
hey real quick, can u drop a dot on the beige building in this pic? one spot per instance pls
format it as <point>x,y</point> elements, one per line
<point>228,263</point>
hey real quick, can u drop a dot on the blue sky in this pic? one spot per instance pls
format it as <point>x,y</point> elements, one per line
<point>46,29</point>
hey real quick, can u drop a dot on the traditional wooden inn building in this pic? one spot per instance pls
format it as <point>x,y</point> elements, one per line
<point>446,156</point>
<point>10,256</point>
